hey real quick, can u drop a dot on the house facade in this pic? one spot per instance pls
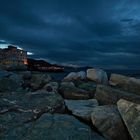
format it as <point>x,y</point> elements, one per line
<point>13,56</point>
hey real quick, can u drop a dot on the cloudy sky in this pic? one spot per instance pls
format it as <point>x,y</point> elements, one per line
<point>100,33</point>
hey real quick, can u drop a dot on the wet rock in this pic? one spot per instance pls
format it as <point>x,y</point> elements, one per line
<point>81,108</point>
<point>130,113</point>
<point>107,95</point>
<point>75,76</point>
<point>126,83</point>
<point>97,75</point>
<point>108,122</point>
<point>53,127</point>
<point>69,91</point>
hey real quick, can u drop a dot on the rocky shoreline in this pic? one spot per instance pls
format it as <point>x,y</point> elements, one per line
<point>82,106</point>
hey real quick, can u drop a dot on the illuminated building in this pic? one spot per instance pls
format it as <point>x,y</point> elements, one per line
<point>13,56</point>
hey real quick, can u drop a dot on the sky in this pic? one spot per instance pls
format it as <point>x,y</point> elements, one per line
<point>98,33</point>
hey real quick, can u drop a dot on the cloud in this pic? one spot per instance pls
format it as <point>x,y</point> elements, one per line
<point>96,33</point>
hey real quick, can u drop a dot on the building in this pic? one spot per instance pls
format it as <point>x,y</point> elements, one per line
<point>13,56</point>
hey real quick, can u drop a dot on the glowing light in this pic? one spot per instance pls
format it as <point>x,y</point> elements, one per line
<point>25,62</point>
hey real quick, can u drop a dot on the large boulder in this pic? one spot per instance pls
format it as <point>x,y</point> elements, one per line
<point>69,91</point>
<point>44,101</point>
<point>75,76</point>
<point>38,81</point>
<point>81,108</point>
<point>130,113</point>
<point>126,83</point>
<point>39,101</point>
<point>97,75</point>
<point>109,123</point>
<point>107,95</point>
<point>10,81</point>
<point>51,127</point>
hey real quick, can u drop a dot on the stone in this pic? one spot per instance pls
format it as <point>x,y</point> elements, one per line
<point>109,123</point>
<point>26,75</point>
<point>39,101</point>
<point>107,95</point>
<point>87,85</point>
<point>81,108</point>
<point>130,113</point>
<point>75,76</point>
<point>51,87</point>
<point>4,73</point>
<point>10,82</point>
<point>69,91</point>
<point>130,84</point>
<point>38,81</point>
<point>97,75</point>
<point>52,127</point>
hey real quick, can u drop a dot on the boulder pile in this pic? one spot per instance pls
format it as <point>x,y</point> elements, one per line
<point>82,106</point>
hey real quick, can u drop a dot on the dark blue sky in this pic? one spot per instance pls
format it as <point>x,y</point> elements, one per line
<point>101,33</point>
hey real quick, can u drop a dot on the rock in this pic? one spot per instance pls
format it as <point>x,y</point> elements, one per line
<point>51,87</point>
<point>69,91</point>
<point>26,75</point>
<point>81,108</point>
<point>97,75</point>
<point>75,76</point>
<point>108,122</point>
<point>52,127</point>
<point>4,73</point>
<point>87,85</point>
<point>44,101</point>
<point>126,83</point>
<point>10,82</point>
<point>107,95</point>
<point>38,81</point>
<point>130,113</point>
<point>39,101</point>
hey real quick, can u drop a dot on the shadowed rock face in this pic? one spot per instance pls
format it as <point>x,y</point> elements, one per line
<point>82,108</point>
<point>130,113</point>
<point>108,121</point>
<point>108,95</point>
<point>69,91</point>
<point>52,127</point>
<point>126,83</point>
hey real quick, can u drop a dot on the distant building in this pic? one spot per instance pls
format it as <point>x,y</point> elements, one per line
<point>13,56</point>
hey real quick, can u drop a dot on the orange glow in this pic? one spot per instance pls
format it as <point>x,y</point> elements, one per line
<point>25,62</point>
